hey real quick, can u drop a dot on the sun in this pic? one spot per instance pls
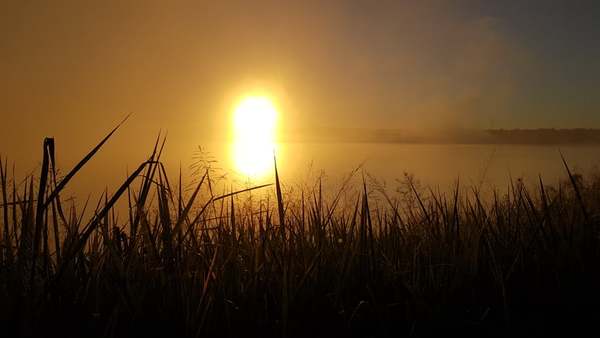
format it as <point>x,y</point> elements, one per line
<point>254,128</point>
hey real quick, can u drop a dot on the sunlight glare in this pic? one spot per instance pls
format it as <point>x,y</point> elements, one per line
<point>254,122</point>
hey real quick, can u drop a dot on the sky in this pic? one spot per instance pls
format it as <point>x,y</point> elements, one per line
<point>73,69</point>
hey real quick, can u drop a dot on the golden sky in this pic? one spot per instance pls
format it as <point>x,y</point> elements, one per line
<point>72,69</point>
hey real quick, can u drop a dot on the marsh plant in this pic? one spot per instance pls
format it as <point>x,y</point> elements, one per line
<point>363,260</point>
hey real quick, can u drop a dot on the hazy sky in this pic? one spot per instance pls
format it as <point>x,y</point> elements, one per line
<point>73,69</point>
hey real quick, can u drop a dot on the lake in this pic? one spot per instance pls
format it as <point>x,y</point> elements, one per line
<point>433,165</point>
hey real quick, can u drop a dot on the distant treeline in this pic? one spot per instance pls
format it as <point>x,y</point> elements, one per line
<point>456,136</point>
<point>545,136</point>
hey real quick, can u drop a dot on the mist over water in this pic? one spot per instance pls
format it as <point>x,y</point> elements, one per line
<point>438,166</point>
<point>435,166</point>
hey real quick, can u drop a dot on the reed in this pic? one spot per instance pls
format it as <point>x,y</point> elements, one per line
<point>364,263</point>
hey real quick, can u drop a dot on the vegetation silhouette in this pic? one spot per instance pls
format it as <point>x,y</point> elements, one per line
<point>194,264</point>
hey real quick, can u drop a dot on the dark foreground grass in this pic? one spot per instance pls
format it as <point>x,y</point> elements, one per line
<point>194,264</point>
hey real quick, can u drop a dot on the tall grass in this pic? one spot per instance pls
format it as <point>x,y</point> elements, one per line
<point>365,262</point>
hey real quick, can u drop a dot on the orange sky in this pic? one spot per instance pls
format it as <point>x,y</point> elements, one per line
<point>73,69</point>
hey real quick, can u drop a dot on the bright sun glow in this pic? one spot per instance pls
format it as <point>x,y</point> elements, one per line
<point>254,123</point>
